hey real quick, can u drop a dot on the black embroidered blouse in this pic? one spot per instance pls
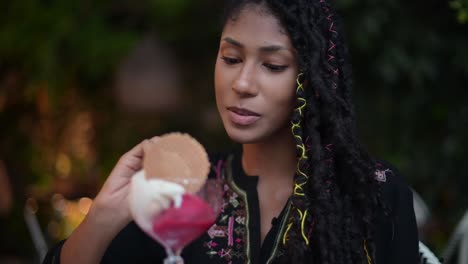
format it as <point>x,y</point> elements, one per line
<point>235,237</point>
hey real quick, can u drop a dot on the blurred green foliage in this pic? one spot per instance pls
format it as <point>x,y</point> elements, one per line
<point>59,58</point>
<point>411,70</point>
<point>462,7</point>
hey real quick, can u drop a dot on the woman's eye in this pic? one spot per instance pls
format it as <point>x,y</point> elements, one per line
<point>230,61</point>
<point>274,67</point>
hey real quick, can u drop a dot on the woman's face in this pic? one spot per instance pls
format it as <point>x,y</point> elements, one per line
<point>255,77</point>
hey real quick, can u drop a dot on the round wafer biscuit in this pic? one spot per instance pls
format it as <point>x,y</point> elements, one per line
<point>178,158</point>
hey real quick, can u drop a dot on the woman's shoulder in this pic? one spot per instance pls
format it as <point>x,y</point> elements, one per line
<point>395,188</point>
<point>397,234</point>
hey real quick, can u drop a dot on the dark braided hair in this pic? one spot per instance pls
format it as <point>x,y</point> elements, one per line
<point>335,195</point>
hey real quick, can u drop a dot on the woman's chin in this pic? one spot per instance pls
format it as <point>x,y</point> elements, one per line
<point>242,136</point>
<point>242,140</point>
<point>249,136</point>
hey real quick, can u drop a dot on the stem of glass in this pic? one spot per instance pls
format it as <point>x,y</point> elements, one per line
<point>173,257</point>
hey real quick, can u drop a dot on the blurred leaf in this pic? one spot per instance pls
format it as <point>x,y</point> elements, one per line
<point>461,6</point>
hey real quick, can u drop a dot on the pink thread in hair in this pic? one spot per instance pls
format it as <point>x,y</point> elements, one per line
<point>311,229</point>
<point>332,28</point>
<point>332,45</point>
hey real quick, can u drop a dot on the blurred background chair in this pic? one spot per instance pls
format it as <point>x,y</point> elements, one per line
<point>423,214</point>
<point>456,251</point>
<point>421,210</point>
<point>37,236</point>
<point>426,255</point>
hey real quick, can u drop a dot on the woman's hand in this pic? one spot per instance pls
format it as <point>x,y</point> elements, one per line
<point>109,213</point>
<point>112,200</point>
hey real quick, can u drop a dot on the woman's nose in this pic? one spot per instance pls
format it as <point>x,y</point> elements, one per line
<point>245,84</point>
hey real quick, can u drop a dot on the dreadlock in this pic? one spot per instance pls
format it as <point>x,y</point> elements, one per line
<point>335,195</point>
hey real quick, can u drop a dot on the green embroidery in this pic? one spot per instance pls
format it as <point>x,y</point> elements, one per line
<point>232,184</point>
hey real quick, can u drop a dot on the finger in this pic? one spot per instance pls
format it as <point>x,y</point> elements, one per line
<point>146,145</point>
<point>137,151</point>
<point>149,143</point>
<point>133,158</point>
<point>131,162</point>
<point>154,139</point>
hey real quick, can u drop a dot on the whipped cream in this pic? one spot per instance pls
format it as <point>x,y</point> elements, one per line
<point>149,197</point>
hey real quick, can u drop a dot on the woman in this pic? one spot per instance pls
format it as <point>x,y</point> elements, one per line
<point>302,189</point>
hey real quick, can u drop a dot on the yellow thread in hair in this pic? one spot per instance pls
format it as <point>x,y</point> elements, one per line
<point>298,187</point>
<point>303,174</point>
<point>296,125</point>
<point>296,192</point>
<point>302,106</point>
<point>302,227</point>
<point>293,128</point>
<point>300,214</point>
<point>299,84</point>
<point>369,259</point>
<point>302,148</point>
<point>297,137</point>
<point>286,233</point>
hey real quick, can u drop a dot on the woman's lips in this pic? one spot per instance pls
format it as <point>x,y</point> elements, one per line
<point>242,116</point>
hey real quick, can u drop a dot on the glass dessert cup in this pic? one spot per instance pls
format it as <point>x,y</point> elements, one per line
<point>182,221</point>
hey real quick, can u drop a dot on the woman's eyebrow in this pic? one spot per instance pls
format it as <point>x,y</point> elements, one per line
<point>269,48</point>
<point>233,42</point>
<point>272,48</point>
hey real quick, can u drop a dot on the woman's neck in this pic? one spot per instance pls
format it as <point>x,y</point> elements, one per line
<point>272,159</point>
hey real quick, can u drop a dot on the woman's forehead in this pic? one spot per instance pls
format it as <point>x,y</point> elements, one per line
<point>256,26</point>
